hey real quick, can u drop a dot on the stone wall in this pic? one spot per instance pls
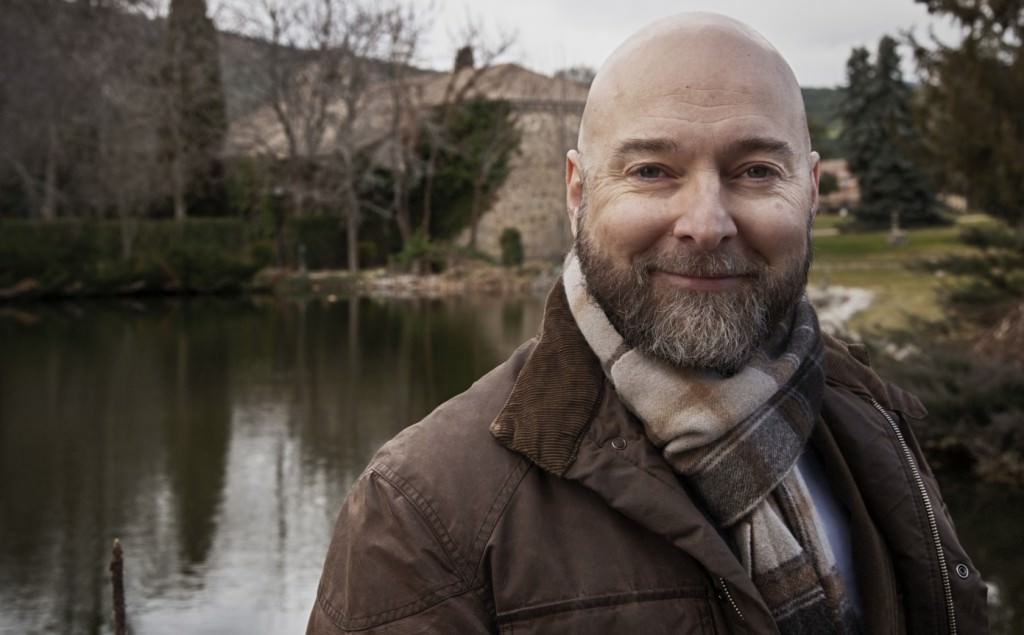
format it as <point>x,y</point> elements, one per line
<point>532,199</point>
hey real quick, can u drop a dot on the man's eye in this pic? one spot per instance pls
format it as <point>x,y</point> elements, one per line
<point>649,172</point>
<point>759,172</point>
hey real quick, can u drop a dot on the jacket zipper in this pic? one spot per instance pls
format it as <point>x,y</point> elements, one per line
<point>732,602</point>
<point>929,512</point>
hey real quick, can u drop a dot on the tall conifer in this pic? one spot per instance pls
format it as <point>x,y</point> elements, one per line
<point>195,120</point>
<point>880,141</point>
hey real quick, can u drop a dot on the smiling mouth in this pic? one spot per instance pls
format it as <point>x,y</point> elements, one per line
<point>702,281</point>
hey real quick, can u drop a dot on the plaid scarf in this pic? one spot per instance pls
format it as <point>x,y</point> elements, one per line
<point>736,440</point>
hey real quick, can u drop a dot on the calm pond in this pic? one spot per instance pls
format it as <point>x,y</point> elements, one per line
<point>217,437</point>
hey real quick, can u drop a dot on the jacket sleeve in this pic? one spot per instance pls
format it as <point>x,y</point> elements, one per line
<point>392,568</point>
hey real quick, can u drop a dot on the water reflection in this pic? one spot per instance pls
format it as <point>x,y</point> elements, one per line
<point>216,438</point>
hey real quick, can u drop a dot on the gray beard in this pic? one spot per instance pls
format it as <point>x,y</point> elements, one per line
<point>709,330</point>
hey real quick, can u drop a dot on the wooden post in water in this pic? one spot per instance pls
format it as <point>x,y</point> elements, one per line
<point>117,582</point>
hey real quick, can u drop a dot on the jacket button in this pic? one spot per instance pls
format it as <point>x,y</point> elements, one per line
<point>619,443</point>
<point>962,571</point>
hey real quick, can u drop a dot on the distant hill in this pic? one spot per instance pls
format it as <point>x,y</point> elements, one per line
<point>822,103</point>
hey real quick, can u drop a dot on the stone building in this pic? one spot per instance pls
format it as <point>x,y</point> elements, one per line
<point>532,198</point>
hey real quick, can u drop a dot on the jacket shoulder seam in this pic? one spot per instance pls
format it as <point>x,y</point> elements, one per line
<point>430,597</point>
<point>420,604</point>
<point>429,515</point>
<point>497,510</point>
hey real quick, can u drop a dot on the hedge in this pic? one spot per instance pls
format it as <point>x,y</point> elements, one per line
<point>99,257</point>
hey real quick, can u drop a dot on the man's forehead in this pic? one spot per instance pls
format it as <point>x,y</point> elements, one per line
<point>704,61</point>
<point>703,71</point>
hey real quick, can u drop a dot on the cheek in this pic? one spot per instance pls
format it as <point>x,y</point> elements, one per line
<point>778,235</point>
<point>625,225</point>
<point>625,233</point>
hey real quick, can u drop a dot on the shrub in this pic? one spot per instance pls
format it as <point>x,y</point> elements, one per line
<point>511,247</point>
<point>828,183</point>
<point>324,240</point>
<point>89,257</point>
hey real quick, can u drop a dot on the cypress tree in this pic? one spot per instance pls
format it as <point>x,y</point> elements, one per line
<point>195,119</point>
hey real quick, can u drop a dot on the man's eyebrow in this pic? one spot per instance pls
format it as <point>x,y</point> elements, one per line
<point>630,147</point>
<point>766,145</point>
<point>747,145</point>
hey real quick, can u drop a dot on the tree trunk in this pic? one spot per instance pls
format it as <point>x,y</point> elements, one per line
<point>474,212</point>
<point>48,208</point>
<point>404,223</point>
<point>178,183</point>
<point>352,230</point>
<point>428,190</point>
<point>177,167</point>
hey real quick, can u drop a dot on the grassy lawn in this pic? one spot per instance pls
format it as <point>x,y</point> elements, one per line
<point>867,260</point>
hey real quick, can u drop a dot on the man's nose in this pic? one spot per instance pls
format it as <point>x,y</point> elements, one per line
<point>702,217</point>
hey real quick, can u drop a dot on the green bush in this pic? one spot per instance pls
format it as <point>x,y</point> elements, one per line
<point>511,247</point>
<point>422,256</point>
<point>324,240</point>
<point>990,274</point>
<point>90,258</point>
<point>975,401</point>
<point>828,183</point>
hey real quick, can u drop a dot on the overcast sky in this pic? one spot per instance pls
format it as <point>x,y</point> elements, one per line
<point>815,36</point>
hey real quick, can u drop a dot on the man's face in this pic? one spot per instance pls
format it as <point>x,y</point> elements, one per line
<point>713,329</point>
<point>691,201</point>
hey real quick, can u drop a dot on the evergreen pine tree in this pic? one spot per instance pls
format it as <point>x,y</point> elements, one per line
<point>857,136</point>
<point>880,142</point>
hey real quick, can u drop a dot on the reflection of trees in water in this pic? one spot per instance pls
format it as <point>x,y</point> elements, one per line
<point>373,367</point>
<point>117,421</point>
<point>76,401</point>
<point>196,423</point>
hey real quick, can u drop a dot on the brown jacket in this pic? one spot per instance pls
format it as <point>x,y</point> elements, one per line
<point>534,503</point>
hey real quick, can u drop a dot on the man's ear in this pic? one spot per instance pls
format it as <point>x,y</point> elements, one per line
<point>573,188</point>
<point>815,161</point>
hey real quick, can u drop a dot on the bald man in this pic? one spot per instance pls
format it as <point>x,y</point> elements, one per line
<point>680,450</point>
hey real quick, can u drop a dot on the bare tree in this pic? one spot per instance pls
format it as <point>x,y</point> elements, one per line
<point>330,63</point>
<point>39,94</point>
<point>65,68</point>
<point>405,96</point>
<point>345,100</point>
<point>387,39</point>
<point>472,61</point>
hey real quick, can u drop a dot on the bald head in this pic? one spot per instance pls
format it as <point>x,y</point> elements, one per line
<point>694,149</point>
<point>710,62</point>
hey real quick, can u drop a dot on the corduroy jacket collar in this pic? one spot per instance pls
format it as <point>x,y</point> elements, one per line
<point>561,382</point>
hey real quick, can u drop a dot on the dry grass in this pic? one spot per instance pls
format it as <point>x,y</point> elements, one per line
<point>868,261</point>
